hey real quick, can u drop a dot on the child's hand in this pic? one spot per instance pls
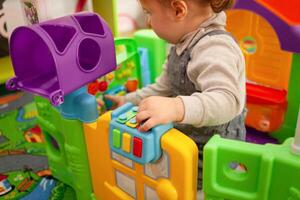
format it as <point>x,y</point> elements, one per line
<point>159,110</point>
<point>118,100</point>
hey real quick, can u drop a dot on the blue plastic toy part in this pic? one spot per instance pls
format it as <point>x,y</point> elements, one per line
<point>144,146</point>
<point>80,105</point>
<point>144,59</point>
<point>114,91</point>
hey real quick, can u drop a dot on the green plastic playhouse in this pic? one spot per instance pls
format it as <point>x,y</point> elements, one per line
<point>269,172</point>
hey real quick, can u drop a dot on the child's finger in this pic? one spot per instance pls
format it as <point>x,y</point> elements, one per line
<point>142,116</point>
<point>114,99</point>
<point>150,123</point>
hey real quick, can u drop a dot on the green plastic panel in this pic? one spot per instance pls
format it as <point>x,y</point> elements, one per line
<point>128,62</point>
<point>156,48</point>
<point>235,170</point>
<point>288,128</point>
<point>66,149</point>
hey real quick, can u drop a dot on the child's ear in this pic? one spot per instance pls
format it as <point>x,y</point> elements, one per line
<point>180,9</point>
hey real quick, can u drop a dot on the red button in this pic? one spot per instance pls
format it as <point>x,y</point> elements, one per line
<point>137,147</point>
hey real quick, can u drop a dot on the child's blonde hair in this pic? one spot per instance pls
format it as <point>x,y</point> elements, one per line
<point>216,5</point>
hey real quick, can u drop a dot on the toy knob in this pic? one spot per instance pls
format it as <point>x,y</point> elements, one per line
<point>11,84</point>
<point>57,98</point>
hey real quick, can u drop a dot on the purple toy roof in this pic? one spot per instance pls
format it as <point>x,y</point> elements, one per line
<point>289,35</point>
<point>56,57</point>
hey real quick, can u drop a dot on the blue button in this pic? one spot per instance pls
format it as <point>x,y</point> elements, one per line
<point>123,117</point>
<point>135,109</point>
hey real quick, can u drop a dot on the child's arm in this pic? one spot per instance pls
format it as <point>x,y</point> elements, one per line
<point>217,69</point>
<point>161,87</point>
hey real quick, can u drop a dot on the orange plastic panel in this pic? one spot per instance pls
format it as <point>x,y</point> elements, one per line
<point>266,63</point>
<point>265,118</point>
<point>287,10</point>
<point>266,107</point>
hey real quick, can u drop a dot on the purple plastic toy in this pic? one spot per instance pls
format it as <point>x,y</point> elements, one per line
<point>57,57</point>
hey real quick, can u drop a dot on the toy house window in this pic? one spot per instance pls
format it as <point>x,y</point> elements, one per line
<point>122,159</point>
<point>158,169</point>
<point>150,193</point>
<point>126,183</point>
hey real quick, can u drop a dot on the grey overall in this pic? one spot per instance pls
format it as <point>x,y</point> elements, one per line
<point>181,85</point>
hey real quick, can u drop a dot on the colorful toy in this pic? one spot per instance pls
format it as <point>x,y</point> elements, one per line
<point>128,63</point>
<point>237,170</point>
<point>126,78</point>
<point>269,171</point>
<point>66,151</point>
<point>269,30</point>
<point>145,146</point>
<point>54,39</point>
<point>122,178</point>
<point>76,45</point>
<point>162,161</point>
<point>107,9</point>
<point>68,159</point>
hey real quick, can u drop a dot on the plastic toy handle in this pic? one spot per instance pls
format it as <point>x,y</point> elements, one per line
<point>57,98</point>
<point>12,84</point>
<point>296,143</point>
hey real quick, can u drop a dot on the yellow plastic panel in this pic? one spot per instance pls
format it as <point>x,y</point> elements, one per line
<point>266,63</point>
<point>108,10</point>
<point>6,70</point>
<point>173,176</point>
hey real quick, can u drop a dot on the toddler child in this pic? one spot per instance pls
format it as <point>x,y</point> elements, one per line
<point>202,86</point>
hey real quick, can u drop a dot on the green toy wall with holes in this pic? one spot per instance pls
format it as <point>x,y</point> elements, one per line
<point>235,170</point>
<point>65,143</point>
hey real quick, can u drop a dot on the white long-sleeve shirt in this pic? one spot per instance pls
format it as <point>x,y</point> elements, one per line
<point>217,69</point>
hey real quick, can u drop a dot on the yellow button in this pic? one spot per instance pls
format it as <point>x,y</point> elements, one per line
<point>126,142</point>
<point>132,125</point>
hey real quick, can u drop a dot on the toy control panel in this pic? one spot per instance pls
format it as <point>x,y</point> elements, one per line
<point>126,140</point>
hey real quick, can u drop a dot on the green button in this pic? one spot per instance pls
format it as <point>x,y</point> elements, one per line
<point>116,138</point>
<point>126,117</point>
